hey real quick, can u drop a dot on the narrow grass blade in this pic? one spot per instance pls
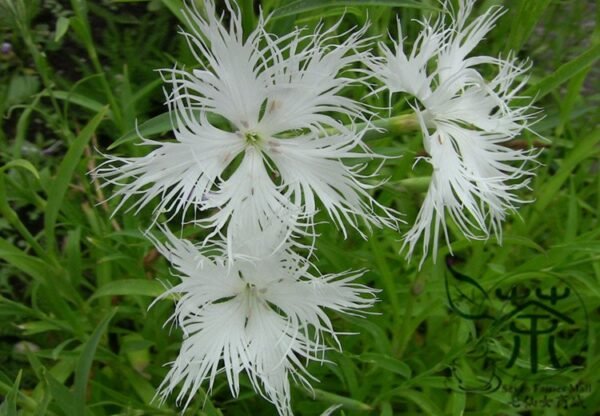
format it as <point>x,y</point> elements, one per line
<point>63,397</point>
<point>421,400</point>
<point>155,126</point>
<point>30,265</point>
<point>9,406</point>
<point>345,402</point>
<point>58,189</point>
<point>79,100</point>
<point>130,287</point>
<point>82,371</point>
<point>176,6</point>
<point>564,73</point>
<point>388,363</point>
<point>152,127</point>
<point>528,14</point>
<point>21,163</point>
<point>584,149</point>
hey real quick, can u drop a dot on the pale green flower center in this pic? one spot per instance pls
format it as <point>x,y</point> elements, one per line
<point>252,138</point>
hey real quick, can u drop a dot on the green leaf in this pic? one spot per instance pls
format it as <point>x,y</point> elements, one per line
<point>129,287</point>
<point>155,126</point>
<point>152,127</point>
<point>564,73</point>
<point>584,149</point>
<point>140,385</point>
<point>39,327</point>
<point>388,363</point>
<point>144,92</point>
<point>29,265</point>
<point>459,401</point>
<point>423,401</point>
<point>73,255</point>
<point>389,279</point>
<point>382,342</point>
<point>59,186</point>
<point>46,274</point>
<point>386,409</point>
<point>22,127</point>
<point>63,397</point>
<point>21,163</point>
<point>346,402</point>
<point>84,365</point>
<point>62,25</point>
<point>79,100</point>
<point>40,372</point>
<point>301,6</point>
<point>528,14</point>
<point>11,216</point>
<point>523,241</point>
<point>9,406</point>
<point>176,6</point>
<point>9,308</point>
<point>570,98</point>
<point>20,89</point>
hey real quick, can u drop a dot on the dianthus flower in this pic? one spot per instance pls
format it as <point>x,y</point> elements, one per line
<point>466,122</point>
<point>259,310</point>
<point>258,123</point>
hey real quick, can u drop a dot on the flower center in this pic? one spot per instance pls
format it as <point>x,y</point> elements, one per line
<point>253,290</point>
<point>252,138</point>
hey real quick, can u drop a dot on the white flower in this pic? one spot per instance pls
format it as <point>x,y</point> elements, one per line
<point>260,311</point>
<point>466,123</point>
<point>259,121</point>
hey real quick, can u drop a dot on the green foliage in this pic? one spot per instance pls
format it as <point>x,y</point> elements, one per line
<point>301,6</point>
<point>77,334</point>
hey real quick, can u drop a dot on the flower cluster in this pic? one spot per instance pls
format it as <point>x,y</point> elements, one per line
<point>265,137</point>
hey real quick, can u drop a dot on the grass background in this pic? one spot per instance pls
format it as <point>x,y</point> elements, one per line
<point>76,336</point>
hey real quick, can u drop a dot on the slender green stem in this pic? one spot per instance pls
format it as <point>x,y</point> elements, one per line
<point>404,123</point>
<point>416,184</point>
